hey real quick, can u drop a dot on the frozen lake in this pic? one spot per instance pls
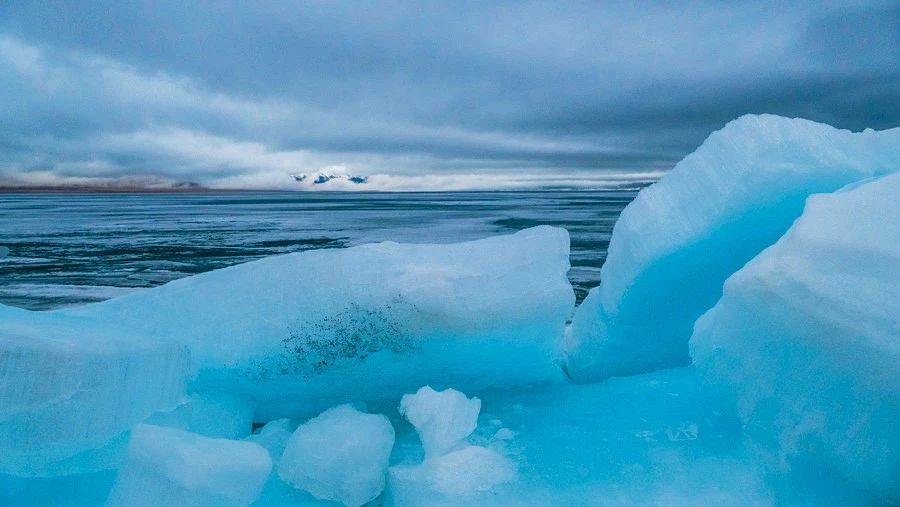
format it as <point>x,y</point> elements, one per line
<point>69,249</point>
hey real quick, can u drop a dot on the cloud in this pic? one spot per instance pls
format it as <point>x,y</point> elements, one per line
<point>247,93</point>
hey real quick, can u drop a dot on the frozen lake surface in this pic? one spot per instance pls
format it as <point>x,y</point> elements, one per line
<point>70,249</point>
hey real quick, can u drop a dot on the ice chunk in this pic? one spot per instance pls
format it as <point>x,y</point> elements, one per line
<point>808,336</point>
<point>69,392</point>
<point>273,436</point>
<point>304,331</point>
<point>341,455</point>
<point>452,470</point>
<point>452,477</point>
<point>166,466</point>
<point>673,247</point>
<point>443,419</point>
<point>212,414</point>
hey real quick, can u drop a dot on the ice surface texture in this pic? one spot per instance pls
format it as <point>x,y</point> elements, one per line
<point>443,419</point>
<point>677,242</point>
<point>69,392</point>
<point>808,335</point>
<point>341,455</point>
<point>310,330</point>
<point>166,466</point>
<point>215,414</point>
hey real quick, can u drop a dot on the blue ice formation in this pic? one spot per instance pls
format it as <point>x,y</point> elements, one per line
<point>769,256</point>
<point>676,243</point>
<point>808,336</point>
<point>303,332</point>
<point>69,393</point>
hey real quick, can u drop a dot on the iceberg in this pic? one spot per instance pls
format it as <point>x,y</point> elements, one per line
<point>167,466</point>
<point>676,243</point>
<point>340,455</point>
<point>305,331</point>
<point>443,419</point>
<point>807,335</point>
<point>69,393</point>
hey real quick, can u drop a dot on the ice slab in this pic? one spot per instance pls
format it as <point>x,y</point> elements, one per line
<point>167,466</point>
<point>305,331</point>
<point>211,414</point>
<point>677,242</point>
<point>443,419</point>
<point>808,336</point>
<point>340,455</point>
<point>70,392</point>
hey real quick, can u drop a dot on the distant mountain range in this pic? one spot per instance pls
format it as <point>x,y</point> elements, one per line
<point>337,180</point>
<point>322,178</point>
<point>110,186</point>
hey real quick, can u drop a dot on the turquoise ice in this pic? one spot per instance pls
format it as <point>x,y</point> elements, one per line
<point>303,332</point>
<point>770,255</point>
<point>676,243</point>
<point>807,334</point>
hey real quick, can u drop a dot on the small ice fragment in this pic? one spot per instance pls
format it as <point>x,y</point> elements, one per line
<point>452,470</point>
<point>443,419</point>
<point>166,466</point>
<point>341,455</point>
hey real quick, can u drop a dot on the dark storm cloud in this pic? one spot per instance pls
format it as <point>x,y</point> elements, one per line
<point>243,93</point>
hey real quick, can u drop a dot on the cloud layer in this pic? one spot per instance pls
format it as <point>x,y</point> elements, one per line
<point>434,95</point>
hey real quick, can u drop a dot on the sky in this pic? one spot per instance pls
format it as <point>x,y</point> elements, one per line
<point>419,96</point>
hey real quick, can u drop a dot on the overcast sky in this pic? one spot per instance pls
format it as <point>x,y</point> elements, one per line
<point>432,95</point>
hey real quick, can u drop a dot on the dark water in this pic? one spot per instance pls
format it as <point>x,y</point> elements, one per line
<point>67,249</point>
